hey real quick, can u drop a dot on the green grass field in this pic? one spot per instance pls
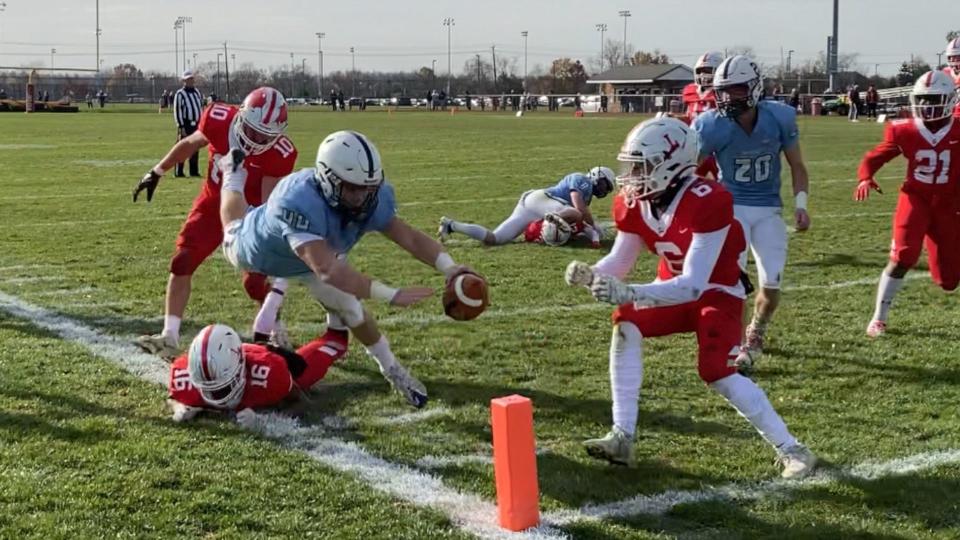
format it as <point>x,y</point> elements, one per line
<point>87,449</point>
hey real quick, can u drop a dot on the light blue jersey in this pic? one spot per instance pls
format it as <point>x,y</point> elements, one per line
<point>572,182</point>
<point>297,212</point>
<point>750,164</point>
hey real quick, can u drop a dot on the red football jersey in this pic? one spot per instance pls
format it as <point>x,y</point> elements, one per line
<point>701,206</point>
<point>933,165</point>
<point>278,161</point>
<point>696,102</point>
<point>268,380</point>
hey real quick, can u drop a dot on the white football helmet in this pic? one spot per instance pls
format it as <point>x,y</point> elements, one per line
<point>933,96</point>
<point>262,119</point>
<point>705,67</point>
<point>603,179</point>
<point>737,71</point>
<point>349,157</point>
<point>216,366</point>
<point>656,155</point>
<point>953,55</point>
<point>555,231</point>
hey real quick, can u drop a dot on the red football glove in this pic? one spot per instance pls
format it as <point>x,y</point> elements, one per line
<point>863,189</point>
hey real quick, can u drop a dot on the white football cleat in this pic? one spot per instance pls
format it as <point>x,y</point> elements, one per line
<point>279,336</point>
<point>410,388</point>
<point>797,461</point>
<point>443,232</point>
<point>163,346</point>
<point>876,328</point>
<point>615,447</point>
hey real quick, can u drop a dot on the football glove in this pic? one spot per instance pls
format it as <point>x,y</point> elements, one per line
<point>863,189</point>
<point>611,290</point>
<point>149,182</point>
<point>578,273</point>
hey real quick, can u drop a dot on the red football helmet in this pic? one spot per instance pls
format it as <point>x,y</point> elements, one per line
<point>262,119</point>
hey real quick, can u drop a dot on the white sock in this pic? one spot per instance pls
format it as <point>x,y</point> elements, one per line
<point>886,290</point>
<point>266,319</point>
<point>626,375</point>
<point>171,328</point>
<point>751,402</point>
<point>477,232</point>
<point>380,351</point>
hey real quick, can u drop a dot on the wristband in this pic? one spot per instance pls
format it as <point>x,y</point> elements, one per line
<point>444,263</point>
<point>382,292</point>
<point>157,170</point>
<point>801,201</point>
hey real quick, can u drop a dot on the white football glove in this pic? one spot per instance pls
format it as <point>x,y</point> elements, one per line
<point>181,412</point>
<point>611,290</point>
<point>578,273</point>
<point>231,168</point>
<point>248,419</point>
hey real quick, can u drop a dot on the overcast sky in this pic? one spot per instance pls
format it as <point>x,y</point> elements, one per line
<point>408,34</point>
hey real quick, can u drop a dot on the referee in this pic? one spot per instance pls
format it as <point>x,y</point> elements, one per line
<point>187,106</point>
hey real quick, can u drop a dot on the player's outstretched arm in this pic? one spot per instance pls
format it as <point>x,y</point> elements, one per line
<point>179,153</point>
<point>424,248</point>
<point>338,273</point>
<point>801,186</point>
<point>581,207</point>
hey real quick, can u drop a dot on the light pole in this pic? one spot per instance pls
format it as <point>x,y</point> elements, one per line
<point>320,36</point>
<point>52,52</point>
<point>625,14</point>
<point>219,54</point>
<point>183,28</point>
<point>789,58</point>
<point>524,34</point>
<point>194,64</point>
<point>176,47</point>
<point>449,23</point>
<point>97,32</point>
<point>601,28</point>
<point>303,82</point>
<point>353,72</point>
<point>3,7</point>
<point>876,68</point>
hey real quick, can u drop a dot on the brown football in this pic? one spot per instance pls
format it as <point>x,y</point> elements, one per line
<point>465,297</point>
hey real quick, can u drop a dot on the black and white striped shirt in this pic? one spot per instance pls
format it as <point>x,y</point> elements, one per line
<point>187,106</point>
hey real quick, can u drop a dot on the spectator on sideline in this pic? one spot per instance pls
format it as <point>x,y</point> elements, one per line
<point>102,98</point>
<point>467,98</point>
<point>340,101</point>
<point>187,106</point>
<point>333,99</point>
<point>3,93</point>
<point>603,102</point>
<point>873,98</point>
<point>795,99</point>
<point>854,98</point>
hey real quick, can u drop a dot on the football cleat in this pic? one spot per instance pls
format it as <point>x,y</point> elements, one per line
<point>615,447</point>
<point>876,328</point>
<point>163,346</point>
<point>443,232</point>
<point>797,461</point>
<point>410,388</point>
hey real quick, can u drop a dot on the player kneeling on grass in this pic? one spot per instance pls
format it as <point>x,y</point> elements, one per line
<point>689,223</point>
<point>570,198</point>
<point>310,223</point>
<point>928,206</point>
<point>221,373</point>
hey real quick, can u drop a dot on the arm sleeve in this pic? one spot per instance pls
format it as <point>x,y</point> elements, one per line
<point>622,257</point>
<point>698,266</point>
<point>880,155</point>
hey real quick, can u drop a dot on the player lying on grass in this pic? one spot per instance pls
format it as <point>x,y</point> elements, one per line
<point>220,373</point>
<point>311,222</point>
<point>570,198</point>
<point>928,204</point>
<point>556,230</point>
<point>257,128</point>
<point>689,223</point>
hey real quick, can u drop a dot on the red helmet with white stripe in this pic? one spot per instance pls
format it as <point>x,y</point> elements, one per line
<point>933,96</point>
<point>953,55</point>
<point>262,119</point>
<point>216,366</point>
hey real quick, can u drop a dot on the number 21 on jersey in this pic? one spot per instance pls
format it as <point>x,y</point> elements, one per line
<point>928,164</point>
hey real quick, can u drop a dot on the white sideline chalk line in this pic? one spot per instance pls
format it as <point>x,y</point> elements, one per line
<point>28,146</point>
<point>662,503</point>
<point>405,318</point>
<point>65,292</point>
<point>30,279</point>
<point>467,511</point>
<point>114,162</point>
<point>414,417</point>
<point>439,462</point>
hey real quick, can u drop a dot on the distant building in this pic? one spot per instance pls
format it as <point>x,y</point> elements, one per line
<point>635,87</point>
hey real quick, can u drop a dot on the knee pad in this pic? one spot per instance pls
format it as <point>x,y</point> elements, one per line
<point>184,262</point>
<point>256,286</point>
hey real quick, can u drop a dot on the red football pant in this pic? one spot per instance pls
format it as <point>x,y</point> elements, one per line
<point>319,355</point>
<point>715,317</point>
<point>201,235</point>
<point>932,221</point>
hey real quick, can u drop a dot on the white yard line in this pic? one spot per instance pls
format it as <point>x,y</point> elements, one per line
<point>661,503</point>
<point>414,417</point>
<point>469,512</point>
<point>31,279</point>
